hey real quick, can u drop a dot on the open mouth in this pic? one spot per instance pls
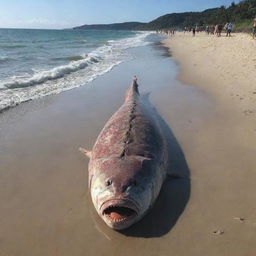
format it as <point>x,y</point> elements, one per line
<point>117,211</point>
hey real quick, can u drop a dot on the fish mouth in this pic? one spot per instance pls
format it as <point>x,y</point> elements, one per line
<point>119,214</point>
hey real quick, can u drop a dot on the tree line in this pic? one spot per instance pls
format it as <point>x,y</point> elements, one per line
<point>240,14</point>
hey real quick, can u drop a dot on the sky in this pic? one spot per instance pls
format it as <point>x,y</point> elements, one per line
<point>58,14</point>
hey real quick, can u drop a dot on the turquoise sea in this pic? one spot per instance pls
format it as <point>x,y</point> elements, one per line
<point>36,63</point>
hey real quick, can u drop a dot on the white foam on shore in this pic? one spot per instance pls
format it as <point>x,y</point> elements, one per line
<point>66,77</point>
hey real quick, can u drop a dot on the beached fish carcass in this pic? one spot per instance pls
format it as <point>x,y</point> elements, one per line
<point>127,164</point>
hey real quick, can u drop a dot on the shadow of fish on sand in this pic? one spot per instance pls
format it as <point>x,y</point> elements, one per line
<point>175,191</point>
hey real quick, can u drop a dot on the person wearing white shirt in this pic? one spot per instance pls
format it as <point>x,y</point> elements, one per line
<point>229,29</point>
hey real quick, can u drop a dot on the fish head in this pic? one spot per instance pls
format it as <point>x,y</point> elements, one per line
<point>122,190</point>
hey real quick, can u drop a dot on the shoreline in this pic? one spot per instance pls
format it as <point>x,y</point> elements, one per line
<point>47,209</point>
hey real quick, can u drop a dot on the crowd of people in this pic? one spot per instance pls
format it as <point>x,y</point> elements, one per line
<point>210,29</point>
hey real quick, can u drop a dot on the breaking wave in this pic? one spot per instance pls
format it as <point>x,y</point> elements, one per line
<point>52,74</point>
<point>79,71</point>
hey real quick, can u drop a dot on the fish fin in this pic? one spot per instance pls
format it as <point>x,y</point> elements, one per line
<point>135,85</point>
<point>133,89</point>
<point>143,158</point>
<point>86,152</point>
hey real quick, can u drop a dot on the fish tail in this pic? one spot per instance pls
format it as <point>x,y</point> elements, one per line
<point>133,90</point>
<point>135,85</point>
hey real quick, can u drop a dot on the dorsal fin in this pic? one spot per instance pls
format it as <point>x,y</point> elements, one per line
<point>133,90</point>
<point>135,85</point>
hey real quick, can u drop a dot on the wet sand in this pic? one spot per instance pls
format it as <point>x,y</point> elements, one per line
<point>45,207</point>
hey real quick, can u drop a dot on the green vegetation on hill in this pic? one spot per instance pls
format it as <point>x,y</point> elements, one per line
<point>241,14</point>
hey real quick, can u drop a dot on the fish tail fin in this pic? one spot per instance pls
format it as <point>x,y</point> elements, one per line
<point>133,90</point>
<point>135,85</point>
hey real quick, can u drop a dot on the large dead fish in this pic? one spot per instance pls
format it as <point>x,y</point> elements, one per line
<point>127,164</point>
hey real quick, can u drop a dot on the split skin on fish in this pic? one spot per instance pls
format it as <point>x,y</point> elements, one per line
<point>128,163</point>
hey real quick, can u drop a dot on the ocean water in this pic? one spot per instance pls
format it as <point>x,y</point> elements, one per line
<point>36,63</point>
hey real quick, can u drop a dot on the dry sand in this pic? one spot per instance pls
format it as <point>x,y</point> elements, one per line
<point>224,66</point>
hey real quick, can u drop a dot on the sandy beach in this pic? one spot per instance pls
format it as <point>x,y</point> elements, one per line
<point>45,205</point>
<point>224,188</point>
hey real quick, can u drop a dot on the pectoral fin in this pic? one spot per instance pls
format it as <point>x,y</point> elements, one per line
<point>86,152</point>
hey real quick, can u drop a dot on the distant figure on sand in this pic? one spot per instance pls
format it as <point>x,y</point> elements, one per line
<point>207,30</point>
<point>226,26</point>
<point>229,29</point>
<point>219,29</point>
<point>212,29</point>
<point>215,29</point>
<point>254,28</point>
<point>194,31</point>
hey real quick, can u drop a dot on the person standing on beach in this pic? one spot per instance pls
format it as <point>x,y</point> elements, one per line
<point>219,29</point>
<point>216,29</point>
<point>229,29</point>
<point>254,29</point>
<point>226,26</point>
<point>194,31</point>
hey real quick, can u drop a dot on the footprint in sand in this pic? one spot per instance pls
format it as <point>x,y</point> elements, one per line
<point>241,219</point>
<point>218,232</point>
<point>248,112</point>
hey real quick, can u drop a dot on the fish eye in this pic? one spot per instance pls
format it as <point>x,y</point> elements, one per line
<point>108,182</point>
